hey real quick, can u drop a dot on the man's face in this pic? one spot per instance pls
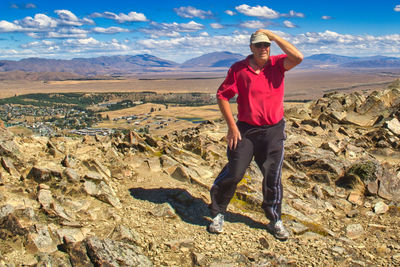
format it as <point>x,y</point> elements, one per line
<point>260,51</point>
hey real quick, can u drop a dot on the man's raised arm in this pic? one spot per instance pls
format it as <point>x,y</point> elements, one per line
<point>294,56</point>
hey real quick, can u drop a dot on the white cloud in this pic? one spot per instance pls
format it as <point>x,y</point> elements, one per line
<point>42,43</point>
<point>68,18</point>
<point>216,26</point>
<point>87,41</point>
<point>252,24</point>
<point>109,30</point>
<point>397,8</point>
<point>230,12</point>
<point>326,17</point>
<point>289,24</point>
<point>23,6</point>
<point>6,26</point>
<point>121,17</point>
<point>60,33</point>
<point>39,21</point>
<point>191,12</point>
<point>294,14</point>
<point>30,5</point>
<point>346,44</point>
<point>176,48</point>
<point>166,29</point>
<point>257,11</point>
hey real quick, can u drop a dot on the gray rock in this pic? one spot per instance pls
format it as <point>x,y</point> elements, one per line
<point>125,234</point>
<point>9,148</point>
<point>354,231</point>
<point>107,252</point>
<point>69,161</point>
<point>167,161</point>
<point>72,175</point>
<point>40,240</point>
<point>6,210</point>
<point>339,250</point>
<point>102,192</point>
<point>45,198</point>
<point>380,207</point>
<point>164,210</point>
<point>180,173</point>
<point>42,175</point>
<point>394,126</point>
<point>71,235</point>
<point>199,259</point>
<point>95,176</point>
<point>9,166</point>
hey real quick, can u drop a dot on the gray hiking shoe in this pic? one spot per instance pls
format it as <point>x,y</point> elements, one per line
<point>278,230</point>
<point>217,224</point>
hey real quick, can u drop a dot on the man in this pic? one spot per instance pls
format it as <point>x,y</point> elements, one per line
<point>259,132</point>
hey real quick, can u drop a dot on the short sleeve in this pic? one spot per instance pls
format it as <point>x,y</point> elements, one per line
<point>228,88</point>
<point>279,61</point>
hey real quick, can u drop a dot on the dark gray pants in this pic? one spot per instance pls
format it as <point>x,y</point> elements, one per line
<point>266,145</point>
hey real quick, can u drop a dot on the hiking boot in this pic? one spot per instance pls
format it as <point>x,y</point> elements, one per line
<point>278,230</point>
<point>217,224</point>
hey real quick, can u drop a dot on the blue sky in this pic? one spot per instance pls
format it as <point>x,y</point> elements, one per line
<point>180,30</point>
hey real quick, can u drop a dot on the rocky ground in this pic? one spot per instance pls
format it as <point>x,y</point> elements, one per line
<point>141,200</point>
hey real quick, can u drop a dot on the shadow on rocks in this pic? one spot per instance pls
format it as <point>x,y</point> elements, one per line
<point>190,209</point>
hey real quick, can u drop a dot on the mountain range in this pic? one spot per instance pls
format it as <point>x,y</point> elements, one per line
<point>128,64</point>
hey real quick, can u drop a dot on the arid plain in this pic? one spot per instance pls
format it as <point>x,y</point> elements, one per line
<point>300,84</point>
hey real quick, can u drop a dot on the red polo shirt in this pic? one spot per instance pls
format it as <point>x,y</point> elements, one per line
<point>260,96</point>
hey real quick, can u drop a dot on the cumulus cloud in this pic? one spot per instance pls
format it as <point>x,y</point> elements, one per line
<point>67,48</point>
<point>109,30</point>
<point>332,42</point>
<point>191,12</point>
<point>397,8</point>
<point>252,24</point>
<point>61,33</point>
<point>88,45</point>
<point>176,47</point>
<point>66,17</point>
<point>166,29</point>
<point>326,17</point>
<point>197,42</point>
<point>42,22</point>
<point>6,26</point>
<point>257,11</point>
<point>38,22</point>
<point>216,26</point>
<point>230,12</point>
<point>121,17</point>
<point>37,44</point>
<point>289,24</point>
<point>65,25</point>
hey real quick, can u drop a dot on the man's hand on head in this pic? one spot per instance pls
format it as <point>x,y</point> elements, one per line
<point>268,33</point>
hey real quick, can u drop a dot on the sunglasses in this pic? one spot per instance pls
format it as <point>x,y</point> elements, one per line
<point>259,45</point>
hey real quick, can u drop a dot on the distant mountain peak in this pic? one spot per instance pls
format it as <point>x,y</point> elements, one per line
<point>214,59</point>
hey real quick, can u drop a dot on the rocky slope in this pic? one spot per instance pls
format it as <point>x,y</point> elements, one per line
<point>141,200</point>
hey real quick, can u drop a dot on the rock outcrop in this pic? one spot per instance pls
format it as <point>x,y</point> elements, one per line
<point>141,200</point>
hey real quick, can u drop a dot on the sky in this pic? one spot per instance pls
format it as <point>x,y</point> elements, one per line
<point>179,30</point>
